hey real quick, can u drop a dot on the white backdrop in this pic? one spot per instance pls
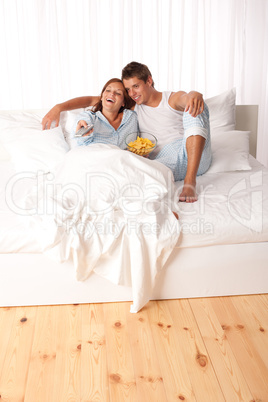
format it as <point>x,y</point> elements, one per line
<point>53,50</point>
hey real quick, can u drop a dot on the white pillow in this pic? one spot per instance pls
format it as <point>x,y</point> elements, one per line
<point>34,150</point>
<point>230,151</point>
<point>21,118</point>
<point>67,122</point>
<point>29,147</point>
<point>222,111</point>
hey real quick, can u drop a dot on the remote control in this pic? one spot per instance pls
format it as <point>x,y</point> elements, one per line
<point>83,130</point>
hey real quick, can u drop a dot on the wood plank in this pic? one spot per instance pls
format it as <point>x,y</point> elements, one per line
<point>229,375</point>
<point>43,356</point>
<point>192,347</point>
<point>262,299</point>
<point>148,375</point>
<point>67,383</point>
<point>94,382</point>
<point>122,383</point>
<point>7,317</point>
<point>248,359</point>
<point>16,362</point>
<point>255,316</point>
<point>171,350</point>
<point>168,350</point>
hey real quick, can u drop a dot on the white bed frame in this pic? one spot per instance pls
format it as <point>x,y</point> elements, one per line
<point>222,270</point>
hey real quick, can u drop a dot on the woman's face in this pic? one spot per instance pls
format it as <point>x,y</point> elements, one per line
<point>113,97</point>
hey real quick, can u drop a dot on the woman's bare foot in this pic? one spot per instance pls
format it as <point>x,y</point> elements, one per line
<point>188,193</point>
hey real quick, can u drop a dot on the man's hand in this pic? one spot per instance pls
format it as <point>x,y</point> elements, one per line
<point>52,115</point>
<point>194,103</point>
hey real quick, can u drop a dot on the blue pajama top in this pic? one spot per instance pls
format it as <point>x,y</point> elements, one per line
<point>104,132</point>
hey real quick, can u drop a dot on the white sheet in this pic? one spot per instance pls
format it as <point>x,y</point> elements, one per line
<point>226,212</point>
<point>110,210</point>
<point>232,208</point>
<point>17,234</point>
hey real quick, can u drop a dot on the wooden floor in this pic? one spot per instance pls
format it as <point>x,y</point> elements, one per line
<point>213,349</point>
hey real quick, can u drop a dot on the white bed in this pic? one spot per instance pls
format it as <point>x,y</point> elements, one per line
<point>222,248</point>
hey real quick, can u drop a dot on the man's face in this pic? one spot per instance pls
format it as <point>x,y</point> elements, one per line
<point>138,90</point>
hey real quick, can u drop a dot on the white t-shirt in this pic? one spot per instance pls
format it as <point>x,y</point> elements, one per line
<point>162,121</point>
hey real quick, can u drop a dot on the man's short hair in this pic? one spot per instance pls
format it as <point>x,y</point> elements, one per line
<point>135,69</point>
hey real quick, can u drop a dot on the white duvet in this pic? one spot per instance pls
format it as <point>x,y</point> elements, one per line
<point>111,211</point>
<point>232,208</point>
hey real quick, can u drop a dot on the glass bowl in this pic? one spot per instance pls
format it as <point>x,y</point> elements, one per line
<point>141,143</point>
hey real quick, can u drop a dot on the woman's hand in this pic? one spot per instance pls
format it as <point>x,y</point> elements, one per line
<point>83,123</point>
<point>52,115</point>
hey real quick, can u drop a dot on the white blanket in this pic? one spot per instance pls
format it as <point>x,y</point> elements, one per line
<point>232,208</point>
<point>111,211</point>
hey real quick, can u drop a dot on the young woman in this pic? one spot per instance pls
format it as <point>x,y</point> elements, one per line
<point>111,117</point>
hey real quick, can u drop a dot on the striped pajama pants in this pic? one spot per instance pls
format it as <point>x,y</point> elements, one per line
<point>174,155</point>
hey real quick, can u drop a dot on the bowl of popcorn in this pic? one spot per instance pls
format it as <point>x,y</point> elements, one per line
<point>142,145</point>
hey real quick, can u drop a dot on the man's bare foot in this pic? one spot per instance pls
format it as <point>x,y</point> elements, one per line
<point>188,193</point>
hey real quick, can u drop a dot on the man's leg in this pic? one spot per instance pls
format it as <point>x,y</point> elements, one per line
<point>190,156</point>
<point>198,151</point>
<point>194,147</point>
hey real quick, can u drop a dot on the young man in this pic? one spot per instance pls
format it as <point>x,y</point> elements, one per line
<point>179,120</point>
